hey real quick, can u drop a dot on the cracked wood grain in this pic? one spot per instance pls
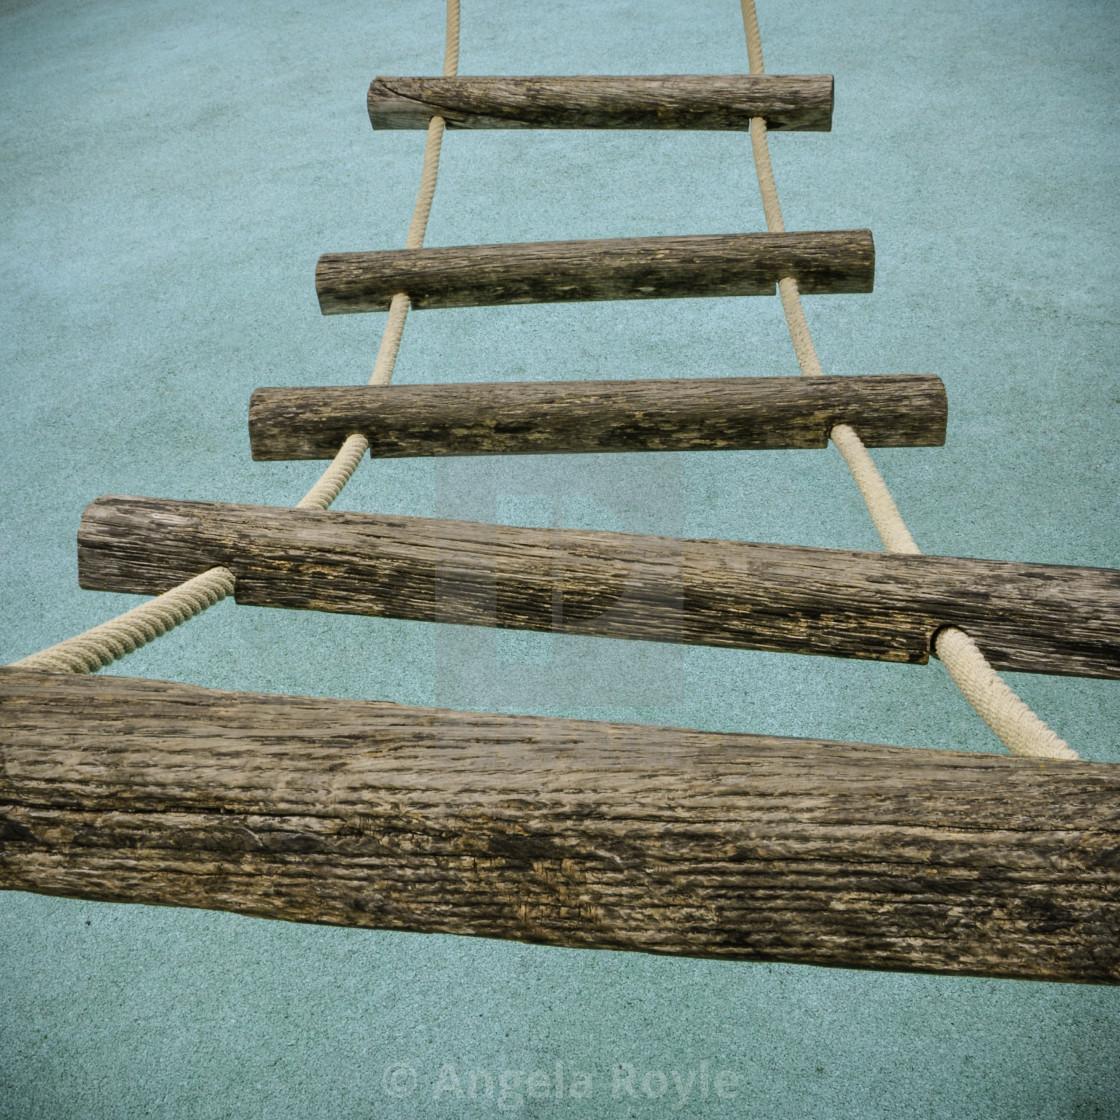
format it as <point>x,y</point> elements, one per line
<point>674,414</point>
<point>1026,617</point>
<point>745,264</point>
<point>558,831</point>
<point>676,101</point>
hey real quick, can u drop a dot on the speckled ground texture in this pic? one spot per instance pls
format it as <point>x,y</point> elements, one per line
<point>170,173</point>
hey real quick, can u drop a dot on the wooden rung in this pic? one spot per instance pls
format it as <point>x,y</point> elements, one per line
<point>1029,617</point>
<point>744,264</point>
<point>559,831</point>
<point>532,417</point>
<point>675,101</point>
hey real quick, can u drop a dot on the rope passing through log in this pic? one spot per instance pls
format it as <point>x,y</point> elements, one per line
<point>890,607</point>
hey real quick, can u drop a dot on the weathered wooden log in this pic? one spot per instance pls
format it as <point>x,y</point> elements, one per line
<point>1028,617</point>
<point>564,832</point>
<point>744,264</point>
<point>676,101</point>
<point>532,417</point>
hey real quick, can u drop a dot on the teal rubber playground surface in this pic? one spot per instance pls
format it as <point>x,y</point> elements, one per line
<point>170,173</point>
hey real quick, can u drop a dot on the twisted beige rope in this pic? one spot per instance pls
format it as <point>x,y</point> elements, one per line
<point>104,644</point>
<point>337,475</point>
<point>1021,731</point>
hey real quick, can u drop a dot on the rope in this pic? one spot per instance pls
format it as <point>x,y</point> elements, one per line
<point>104,644</point>
<point>111,640</point>
<point>999,707</point>
<point>1020,730</point>
<point>884,513</point>
<point>349,455</point>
